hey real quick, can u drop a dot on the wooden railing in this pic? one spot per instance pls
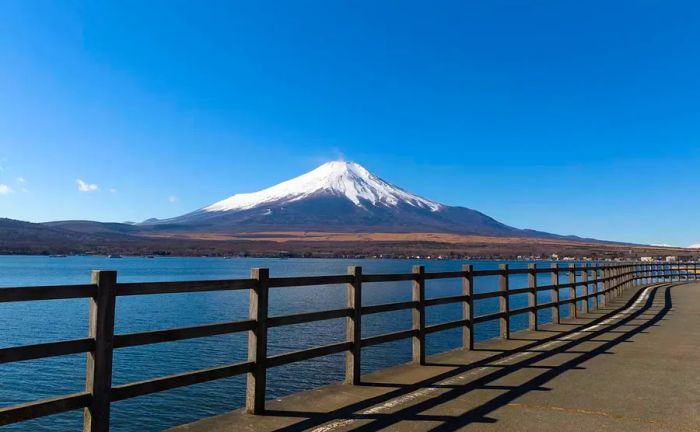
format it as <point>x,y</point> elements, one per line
<point>599,284</point>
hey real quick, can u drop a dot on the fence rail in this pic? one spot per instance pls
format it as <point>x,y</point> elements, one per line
<point>600,283</point>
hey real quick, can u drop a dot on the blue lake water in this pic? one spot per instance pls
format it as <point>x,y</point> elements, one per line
<point>44,321</point>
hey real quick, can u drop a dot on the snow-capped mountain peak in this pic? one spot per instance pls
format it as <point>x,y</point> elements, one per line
<point>340,178</point>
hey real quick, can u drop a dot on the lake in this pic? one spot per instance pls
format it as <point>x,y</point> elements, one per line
<point>45,321</point>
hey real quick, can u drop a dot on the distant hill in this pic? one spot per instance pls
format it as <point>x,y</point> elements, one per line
<point>90,227</point>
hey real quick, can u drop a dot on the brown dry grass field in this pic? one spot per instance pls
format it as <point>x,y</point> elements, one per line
<point>314,242</point>
<point>314,236</point>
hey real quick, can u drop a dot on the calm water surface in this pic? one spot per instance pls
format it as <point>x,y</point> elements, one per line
<point>45,321</point>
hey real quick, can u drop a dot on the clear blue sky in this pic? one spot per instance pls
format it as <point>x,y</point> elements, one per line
<point>566,116</point>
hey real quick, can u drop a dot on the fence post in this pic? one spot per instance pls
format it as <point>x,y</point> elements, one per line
<point>648,278</point>
<point>532,296</point>
<point>600,272</point>
<point>670,270</point>
<point>584,278</point>
<point>573,306</point>
<point>419,315</point>
<point>257,342</point>
<point>602,286</point>
<point>681,271</point>
<point>640,274</point>
<point>631,276</point>
<point>468,307</point>
<point>657,272</point>
<point>622,279</point>
<point>555,293</point>
<point>662,272</point>
<point>628,276</point>
<point>504,301</point>
<point>594,287</point>
<point>98,377</point>
<point>611,283</point>
<point>353,326</point>
<point>678,271</point>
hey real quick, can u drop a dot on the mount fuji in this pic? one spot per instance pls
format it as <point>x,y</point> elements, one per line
<point>337,196</point>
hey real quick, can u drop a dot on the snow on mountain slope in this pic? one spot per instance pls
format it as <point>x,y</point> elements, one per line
<point>341,178</point>
<point>337,197</point>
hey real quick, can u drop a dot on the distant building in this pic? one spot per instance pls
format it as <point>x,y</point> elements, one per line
<point>646,259</point>
<point>671,258</point>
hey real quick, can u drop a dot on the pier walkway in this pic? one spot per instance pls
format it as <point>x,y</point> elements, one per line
<point>630,365</point>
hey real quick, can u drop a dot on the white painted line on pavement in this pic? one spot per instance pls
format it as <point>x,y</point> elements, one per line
<point>454,380</point>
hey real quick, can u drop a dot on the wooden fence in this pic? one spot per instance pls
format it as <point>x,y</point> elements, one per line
<point>599,284</point>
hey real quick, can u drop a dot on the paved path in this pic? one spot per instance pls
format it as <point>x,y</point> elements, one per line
<point>632,366</point>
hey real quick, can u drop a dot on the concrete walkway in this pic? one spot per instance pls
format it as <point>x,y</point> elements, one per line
<point>632,366</point>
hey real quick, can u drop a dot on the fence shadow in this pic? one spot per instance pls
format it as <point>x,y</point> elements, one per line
<point>630,324</point>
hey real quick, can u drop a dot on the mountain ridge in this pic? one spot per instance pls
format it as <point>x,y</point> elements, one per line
<point>339,196</point>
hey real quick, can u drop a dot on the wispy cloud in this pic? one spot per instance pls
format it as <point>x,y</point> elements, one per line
<point>172,199</point>
<point>5,189</point>
<point>113,190</point>
<point>86,187</point>
<point>21,184</point>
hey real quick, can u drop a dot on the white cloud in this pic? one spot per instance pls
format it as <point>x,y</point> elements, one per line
<point>5,189</point>
<point>694,246</point>
<point>172,199</point>
<point>86,187</point>
<point>21,182</point>
<point>662,245</point>
<point>113,190</point>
